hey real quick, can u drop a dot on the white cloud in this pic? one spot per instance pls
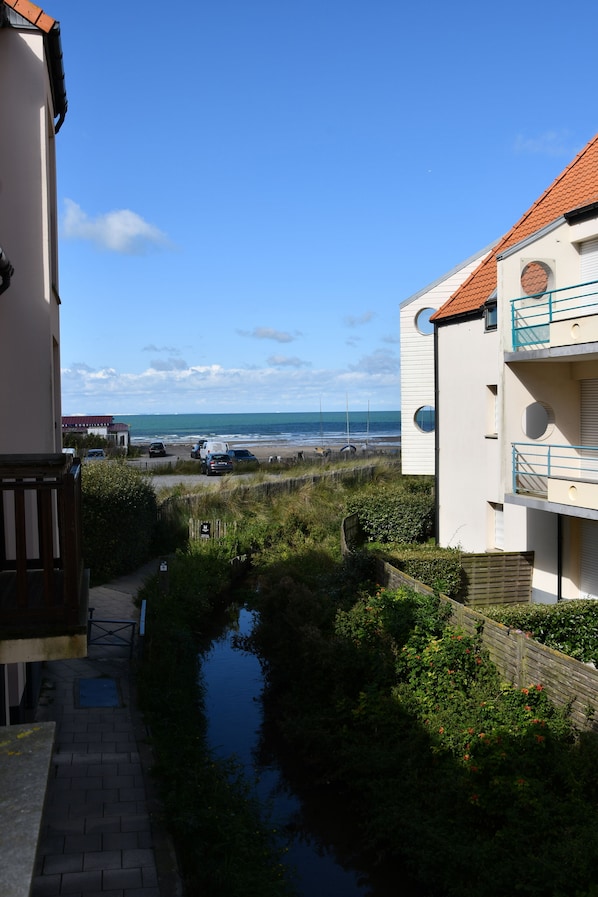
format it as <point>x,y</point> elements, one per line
<point>168,364</point>
<point>359,320</point>
<point>214,388</point>
<point>118,231</point>
<point>550,143</point>
<point>286,361</point>
<point>279,336</point>
<point>382,361</point>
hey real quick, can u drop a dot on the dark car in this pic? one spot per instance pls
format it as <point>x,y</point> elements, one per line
<point>195,451</point>
<point>243,457</point>
<point>217,463</point>
<point>157,450</point>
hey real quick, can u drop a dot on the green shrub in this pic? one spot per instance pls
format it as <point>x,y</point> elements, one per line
<point>395,513</point>
<point>570,626</point>
<point>438,568</point>
<point>119,518</point>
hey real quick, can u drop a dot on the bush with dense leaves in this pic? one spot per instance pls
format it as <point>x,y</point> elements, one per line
<point>570,626</point>
<point>395,513</point>
<point>438,568</point>
<point>119,519</point>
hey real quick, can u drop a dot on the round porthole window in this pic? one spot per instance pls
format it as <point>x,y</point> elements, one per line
<point>423,322</point>
<point>536,278</point>
<point>425,419</point>
<point>538,419</point>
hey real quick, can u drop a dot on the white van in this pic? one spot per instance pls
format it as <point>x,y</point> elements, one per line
<point>212,446</point>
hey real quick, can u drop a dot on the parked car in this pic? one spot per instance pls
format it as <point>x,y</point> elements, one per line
<point>195,451</point>
<point>95,455</point>
<point>217,462</point>
<point>157,450</point>
<point>243,457</point>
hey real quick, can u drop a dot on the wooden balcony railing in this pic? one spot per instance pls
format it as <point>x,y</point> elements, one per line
<point>42,587</point>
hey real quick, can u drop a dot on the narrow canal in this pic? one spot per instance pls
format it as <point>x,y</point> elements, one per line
<point>233,688</point>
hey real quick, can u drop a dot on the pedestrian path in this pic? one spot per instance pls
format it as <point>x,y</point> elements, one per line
<point>101,831</point>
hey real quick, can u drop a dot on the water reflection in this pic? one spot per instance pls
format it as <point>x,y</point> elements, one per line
<point>234,683</point>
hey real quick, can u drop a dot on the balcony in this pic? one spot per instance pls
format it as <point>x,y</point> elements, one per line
<point>43,587</point>
<point>563,317</point>
<point>563,474</point>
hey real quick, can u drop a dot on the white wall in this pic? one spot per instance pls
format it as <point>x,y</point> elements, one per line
<point>417,365</point>
<point>29,336</point>
<point>469,474</point>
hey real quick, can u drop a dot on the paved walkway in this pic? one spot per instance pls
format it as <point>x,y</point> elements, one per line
<point>101,833</point>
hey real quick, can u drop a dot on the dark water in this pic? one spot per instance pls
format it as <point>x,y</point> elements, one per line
<point>233,683</point>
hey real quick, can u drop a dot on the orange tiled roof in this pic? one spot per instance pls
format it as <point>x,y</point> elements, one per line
<point>32,13</point>
<point>576,186</point>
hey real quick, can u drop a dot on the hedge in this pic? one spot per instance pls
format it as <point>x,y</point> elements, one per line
<point>569,626</point>
<point>119,519</point>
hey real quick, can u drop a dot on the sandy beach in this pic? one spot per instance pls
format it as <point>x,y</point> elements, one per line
<point>285,450</point>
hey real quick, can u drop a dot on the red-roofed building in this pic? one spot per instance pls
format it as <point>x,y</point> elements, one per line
<point>102,425</point>
<point>517,392</point>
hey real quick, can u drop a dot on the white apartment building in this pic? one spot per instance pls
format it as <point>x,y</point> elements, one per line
<point>517,392</point>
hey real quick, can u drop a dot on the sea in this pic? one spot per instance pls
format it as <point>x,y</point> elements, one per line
<point>334,428</point>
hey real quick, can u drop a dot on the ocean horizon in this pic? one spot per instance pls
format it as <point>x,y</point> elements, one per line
<point>300,427</point>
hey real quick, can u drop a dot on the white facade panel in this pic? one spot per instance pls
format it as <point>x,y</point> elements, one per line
<point>417,365</point>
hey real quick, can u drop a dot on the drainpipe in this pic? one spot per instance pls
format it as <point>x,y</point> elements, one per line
<point>6,271</point>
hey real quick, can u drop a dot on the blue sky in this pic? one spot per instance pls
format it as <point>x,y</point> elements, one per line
<point>248,189</point>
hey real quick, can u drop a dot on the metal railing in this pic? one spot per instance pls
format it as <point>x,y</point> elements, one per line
<point>41,566</point>
<point>111,633</point>
<point>534,464</point>
<point>531,316</point>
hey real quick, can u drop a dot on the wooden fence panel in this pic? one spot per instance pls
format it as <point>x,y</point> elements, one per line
<point>501,578</point>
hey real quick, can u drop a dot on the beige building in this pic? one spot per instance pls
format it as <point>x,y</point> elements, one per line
<point>43,594</point>
<point>517,392</point>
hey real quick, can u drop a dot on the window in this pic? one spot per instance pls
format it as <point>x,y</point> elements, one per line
<point>497,526</point>
<point>423,322</point>
<point>537,277</point>
<point>538,420</point>
<point>425,419</point>
<point>490,316</point>
<point>492,409</point>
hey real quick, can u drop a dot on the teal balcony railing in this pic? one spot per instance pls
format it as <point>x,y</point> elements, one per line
<point>531,316</point>
<point>534,464</point>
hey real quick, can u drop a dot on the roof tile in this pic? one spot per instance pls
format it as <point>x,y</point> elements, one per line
<point>576,186</point>
<point>32,13</point>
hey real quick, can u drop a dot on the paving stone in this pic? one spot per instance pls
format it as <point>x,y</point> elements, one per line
<point>80,882</point>
<point>122,878</point>
<point>63,862</point>
<point>97,839</point>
